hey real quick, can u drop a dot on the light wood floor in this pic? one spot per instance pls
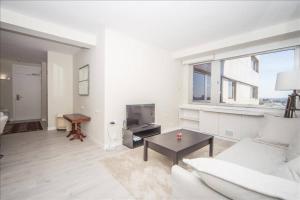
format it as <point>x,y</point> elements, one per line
<point>46,165</point>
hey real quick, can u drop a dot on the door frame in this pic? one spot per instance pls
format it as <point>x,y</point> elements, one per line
<point>13,88</point>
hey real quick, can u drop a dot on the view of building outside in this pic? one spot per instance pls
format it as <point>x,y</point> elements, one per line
<point>240,80</point>
<point>247,80</point>
<point>201,82</point>
<point>251,80</point>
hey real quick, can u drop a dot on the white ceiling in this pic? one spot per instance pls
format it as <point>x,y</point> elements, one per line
<point>29,49</point>
<point>173,25</point>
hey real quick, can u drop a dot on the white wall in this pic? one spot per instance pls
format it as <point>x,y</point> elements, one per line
<point>6,86</point>
<point>277,36</point>
<point>137,73</point>
<point>60,86</point>
<point>44,92</point>
<point>92,105</point>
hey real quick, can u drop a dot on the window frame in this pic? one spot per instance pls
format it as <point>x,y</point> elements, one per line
<point>218,99</point>
<point>206,74</point>
<point>233,86</point>
<point>254,92</point>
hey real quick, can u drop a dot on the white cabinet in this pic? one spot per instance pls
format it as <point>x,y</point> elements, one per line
<point>208,122</point>
<point>229,123</point>
<point>190,124</point>
<point>189,119</point>
<point>189,114</point>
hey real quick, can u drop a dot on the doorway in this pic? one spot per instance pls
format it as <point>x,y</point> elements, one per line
<point>26,86</point>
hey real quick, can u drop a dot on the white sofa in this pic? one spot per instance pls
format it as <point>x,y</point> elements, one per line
<point>3,120</point>
<point>255,156</point>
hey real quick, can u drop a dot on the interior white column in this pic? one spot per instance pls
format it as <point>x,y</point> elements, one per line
<point>297,57</point>
<point>190,71</point>
<point>297,66</point>
<point>216,81</point>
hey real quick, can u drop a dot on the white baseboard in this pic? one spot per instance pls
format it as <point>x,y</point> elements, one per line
<point>51,128</point>
<point>112,146</point>
<point>170,129</point>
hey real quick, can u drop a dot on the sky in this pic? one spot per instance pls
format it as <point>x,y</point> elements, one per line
<point>199,83</point>
<point>269,65</point>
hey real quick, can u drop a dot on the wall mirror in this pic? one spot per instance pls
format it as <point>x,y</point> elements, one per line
<point>83,81</point>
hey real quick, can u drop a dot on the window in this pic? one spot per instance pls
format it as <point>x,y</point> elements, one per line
<point>254,92</point>
<point>254,78</point>
<point>255,64</point>
<point>201,82</point>
<point>231,89</point>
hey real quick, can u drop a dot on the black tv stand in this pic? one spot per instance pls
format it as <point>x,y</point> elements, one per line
<point>141,132</point>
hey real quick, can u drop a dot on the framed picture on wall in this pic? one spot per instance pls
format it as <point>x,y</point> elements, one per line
<point>83,81</point>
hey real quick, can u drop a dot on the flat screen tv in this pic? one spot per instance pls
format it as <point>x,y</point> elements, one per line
<point>140,115</point>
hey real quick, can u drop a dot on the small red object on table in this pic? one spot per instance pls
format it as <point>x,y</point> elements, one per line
<point>76,120</point>
<point>179,136</point>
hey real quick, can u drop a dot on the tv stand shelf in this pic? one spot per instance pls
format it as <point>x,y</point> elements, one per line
<point>142,132</point>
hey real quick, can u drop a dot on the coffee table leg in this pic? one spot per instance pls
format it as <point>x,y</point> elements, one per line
<point>145,150</point>
<point>175,159</point>
<point>211,147</point>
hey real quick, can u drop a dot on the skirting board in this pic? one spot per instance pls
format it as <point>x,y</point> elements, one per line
<point>51,128</point>
<point>54,128</point>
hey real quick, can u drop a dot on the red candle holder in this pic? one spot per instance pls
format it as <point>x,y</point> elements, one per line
<point>179,136</point>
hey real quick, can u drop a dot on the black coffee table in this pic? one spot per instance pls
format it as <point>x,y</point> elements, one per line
<point>168,145</point>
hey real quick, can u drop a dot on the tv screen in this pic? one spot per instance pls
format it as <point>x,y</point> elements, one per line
<point>139,115</point>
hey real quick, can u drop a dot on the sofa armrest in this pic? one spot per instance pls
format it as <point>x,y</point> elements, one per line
<point>238,182</point>
<point>3,120</point>
<point>186,185</point>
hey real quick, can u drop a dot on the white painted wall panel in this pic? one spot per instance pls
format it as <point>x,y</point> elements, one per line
<point>60,86</point>
<point>209,122</point>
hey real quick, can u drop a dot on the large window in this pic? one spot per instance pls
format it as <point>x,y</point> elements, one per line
<point>201,82</point>
<point>255,78</point>
<point>248,80</point>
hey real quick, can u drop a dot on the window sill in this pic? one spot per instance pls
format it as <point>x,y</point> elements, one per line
<point>233,109</point>
<point>230,105</point>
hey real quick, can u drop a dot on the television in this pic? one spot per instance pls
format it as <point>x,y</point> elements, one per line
<point>140,115</point>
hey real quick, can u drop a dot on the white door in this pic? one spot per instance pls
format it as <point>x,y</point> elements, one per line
<point>26,92</point>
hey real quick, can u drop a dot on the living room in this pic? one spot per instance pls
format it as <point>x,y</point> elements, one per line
<point>177,83</point>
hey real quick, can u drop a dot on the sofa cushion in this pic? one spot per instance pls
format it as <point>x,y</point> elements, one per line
<point>237,182</point>
<point>254,155</point>
<point>289,170</point>
<point>186,185</point>
<point>278,130</point>
<point>294,147</point>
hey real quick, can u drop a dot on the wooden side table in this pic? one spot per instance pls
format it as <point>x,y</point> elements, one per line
<point>76,120</point>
